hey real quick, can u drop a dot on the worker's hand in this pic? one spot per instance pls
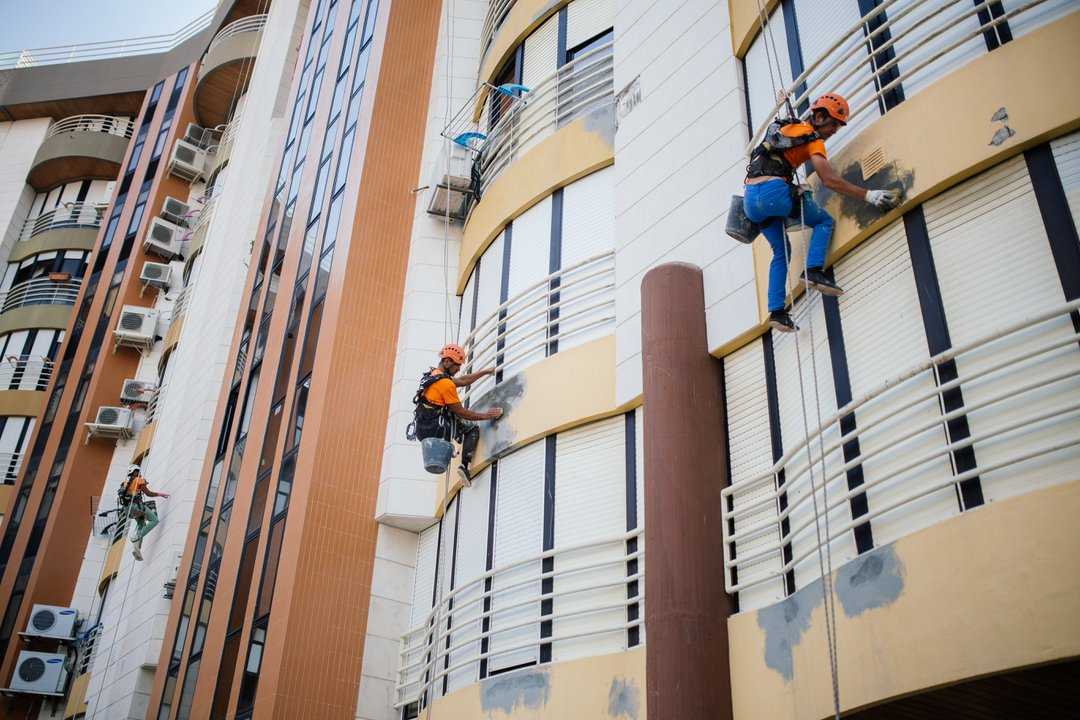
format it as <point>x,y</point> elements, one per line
<point>164,495</point>
<point>486,371</point>
<point>883,199</point>
<point>494,413</point>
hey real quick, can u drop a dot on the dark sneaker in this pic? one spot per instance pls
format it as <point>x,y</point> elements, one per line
<point>816,279</point>
<point>780,320</point>
<point>466,478</point>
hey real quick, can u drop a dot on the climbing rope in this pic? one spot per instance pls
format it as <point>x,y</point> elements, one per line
<point>824,550</point>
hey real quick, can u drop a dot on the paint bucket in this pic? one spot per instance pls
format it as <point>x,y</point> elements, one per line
<point>740,227</point>
<point>437,453</point>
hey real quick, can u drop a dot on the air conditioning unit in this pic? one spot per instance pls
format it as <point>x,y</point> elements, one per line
<point>40,673</point>
<point>196,135</point>
<point>163,239</point>
<point>51,621</point>
<point>175,211</point>
<point>155,275</point>
<point>452,187</point>
<point>188,161</point>
<point>137,391</point>
<point>137,327</point>
<point>111,421</point>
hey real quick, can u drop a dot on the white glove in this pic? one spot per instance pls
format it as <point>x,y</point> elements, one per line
<point>883,199</point>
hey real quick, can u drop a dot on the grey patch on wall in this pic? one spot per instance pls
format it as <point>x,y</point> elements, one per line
<point>889,177</point>
<point>501,434</point>
<point>872,580</point>
<point>545,9</point>
<point>624,699</point>
<point>524,689</point>
<point>602,121</point>
<point>784,625</point>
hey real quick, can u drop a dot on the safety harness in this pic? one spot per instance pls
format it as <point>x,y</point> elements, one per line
<point>767,159</point>
<point>124,498</point>
<point>428,420</point>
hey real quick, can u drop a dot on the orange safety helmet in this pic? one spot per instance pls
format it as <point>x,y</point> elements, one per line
<point>453,352</point>
<point>833,104</point>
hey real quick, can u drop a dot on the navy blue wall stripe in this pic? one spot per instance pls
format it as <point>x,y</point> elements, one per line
<point>1057,219</point>
<point>450,602</point>
<point>794,48</point>
<point>554,264</point>
<point>998,35</point>
<point>485,624</point>
<point>730,503</point>
<point>547,585</point>
<point>560,53</point>
<point>633,611</point>
<point>504,295</point>
<point>895,95</point>
<point>777,443</point>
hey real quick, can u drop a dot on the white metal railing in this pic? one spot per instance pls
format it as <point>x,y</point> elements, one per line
<point>87,643</point>
<point>179,308</point>
<point>449,639</point>
<point>918,41</point>
<point>68,215</point>
<point>582,85</point>
<point>751,508</point>
<point>78,52</point>
<point>576,299</point>
<point>10,462</point>
<point>153,403</point>
<point>40,291</point>
<point>493,20</point>
<point>105,124</point>
<point>21,372</point>
<point>251,23</point>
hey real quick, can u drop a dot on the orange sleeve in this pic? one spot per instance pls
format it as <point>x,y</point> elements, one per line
<point>443,392</point>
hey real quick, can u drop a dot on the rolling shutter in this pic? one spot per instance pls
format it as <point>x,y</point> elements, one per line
<point>994,266</point>
<point>1028,20</point>
<point>590,505</point>
<point>883,337</point>
<point>588,230</point>
<point>1067,156</point>
<point>530,252</point>
<point>760,82</point>
<point>471,563</point>
<point>424,577</point>
<point>539,63</point>
<point>750,445</point>
<point>15,433</point>
<point>466,308</point>
<point>519,518</point>
<point>446,565</point>
<point>954,22</point>
<point>585,19</point>
<point>488,288</point>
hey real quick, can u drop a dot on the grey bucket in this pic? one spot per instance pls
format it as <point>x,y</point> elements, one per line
<point>437,453</point>
<point>739,226</point>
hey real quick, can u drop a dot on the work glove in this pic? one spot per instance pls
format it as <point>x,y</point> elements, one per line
<point>883,199</point>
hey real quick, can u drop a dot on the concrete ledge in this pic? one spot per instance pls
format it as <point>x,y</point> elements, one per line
<point>71,238</point>
<point>35,316</point>
<point>143,442</point>
<point>77,696</point>
<point>23,403</point>
<point>111,565</point>
<point>76,155</point>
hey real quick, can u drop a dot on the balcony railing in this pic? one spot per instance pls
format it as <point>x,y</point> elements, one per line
<point>154,403</point>
<point>180,305</point>
<point>925,38</point>
<point>69,215</point>
<point>570,302</point>
<point>590,601</point>
<point>251,23</point>
<point>10,462</point>
<point>496,14</point>
<point>106,124</point>
<point>25,373</point>
<point>40,291</point>
<point>1013,367</point>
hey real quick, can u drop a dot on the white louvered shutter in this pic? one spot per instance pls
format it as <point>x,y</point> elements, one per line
<point>10,446</point>
<point>760,82</point>
<point>884,337</point>
<point>1030,19</point>
<point>467,305</point>
<point>519,520</point>
<point>590,506</point>
<point>994,266</point>
<point>793,434</point>
<point>821,24</point>
<point>34,368</point>
<point>585,19</point>
<point>750,446</point>
<point>530,254</point>
<point>538,65</point>
<point>468,582</point>
<point>1067,156</point>
<point>913,47</point>
<point>488,288</point>
<point>423,589</point>
<point>446,564</point>
<point>14,343</point>
<point>588,231</point>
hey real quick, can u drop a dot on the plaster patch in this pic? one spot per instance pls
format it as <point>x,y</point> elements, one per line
<point>546,9</point>
<point>525,689</point>
<point>890,177</point>
<point>784,625</point>
<point>501,434</point>
<point>624,699</point>
<point>870,581</point>
<point>602,122</point>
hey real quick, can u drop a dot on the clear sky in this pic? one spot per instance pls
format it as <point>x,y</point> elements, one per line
<point>42,23</point>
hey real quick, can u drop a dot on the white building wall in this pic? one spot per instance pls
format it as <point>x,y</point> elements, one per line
<point>678,159</point>
<point>19,142</point>
<point>406,491</point>
<point>193,381</point>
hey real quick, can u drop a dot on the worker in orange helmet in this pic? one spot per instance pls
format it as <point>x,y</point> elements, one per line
<point>438,409</point>
<point>771,196</point>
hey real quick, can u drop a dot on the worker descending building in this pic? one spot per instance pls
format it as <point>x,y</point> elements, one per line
<point>772,195</point>
<point>438,411</point>
<point>133,502</point>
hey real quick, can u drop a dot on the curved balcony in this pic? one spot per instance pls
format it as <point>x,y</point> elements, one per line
<point>18,372</point>
<point>80,147</point>
<point>198,232</point>
<point>40,291</point>
<point>73,226</point>
<point>493,20</point>
<point>226,69</point>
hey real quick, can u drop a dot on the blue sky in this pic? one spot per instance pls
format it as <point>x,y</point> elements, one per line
<point>42,23</point>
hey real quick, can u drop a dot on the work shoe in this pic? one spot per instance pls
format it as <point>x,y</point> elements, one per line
<point>780,320</point>
<point>466,477</point>
<point>816,279</point>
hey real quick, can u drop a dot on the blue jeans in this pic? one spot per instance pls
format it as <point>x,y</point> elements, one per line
<point>767,204</point>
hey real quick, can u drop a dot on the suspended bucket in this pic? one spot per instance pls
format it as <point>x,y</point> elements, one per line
<point>437,453</point>
<point>740,227</point>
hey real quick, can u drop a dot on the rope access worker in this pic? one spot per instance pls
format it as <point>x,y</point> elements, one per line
<point>439,412</point>
<point>771,195</point>
<point>132,498</point>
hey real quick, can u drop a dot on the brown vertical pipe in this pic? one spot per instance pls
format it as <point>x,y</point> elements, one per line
<point>687,672</point>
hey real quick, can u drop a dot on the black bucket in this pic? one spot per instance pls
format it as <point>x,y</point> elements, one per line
<point>437,453</point>
<point>739,226</point>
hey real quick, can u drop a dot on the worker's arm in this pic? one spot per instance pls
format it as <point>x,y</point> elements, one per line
<point>150,493</point>
<point>467,380</point>
<point>882,199</point>
<point>465,414</point>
